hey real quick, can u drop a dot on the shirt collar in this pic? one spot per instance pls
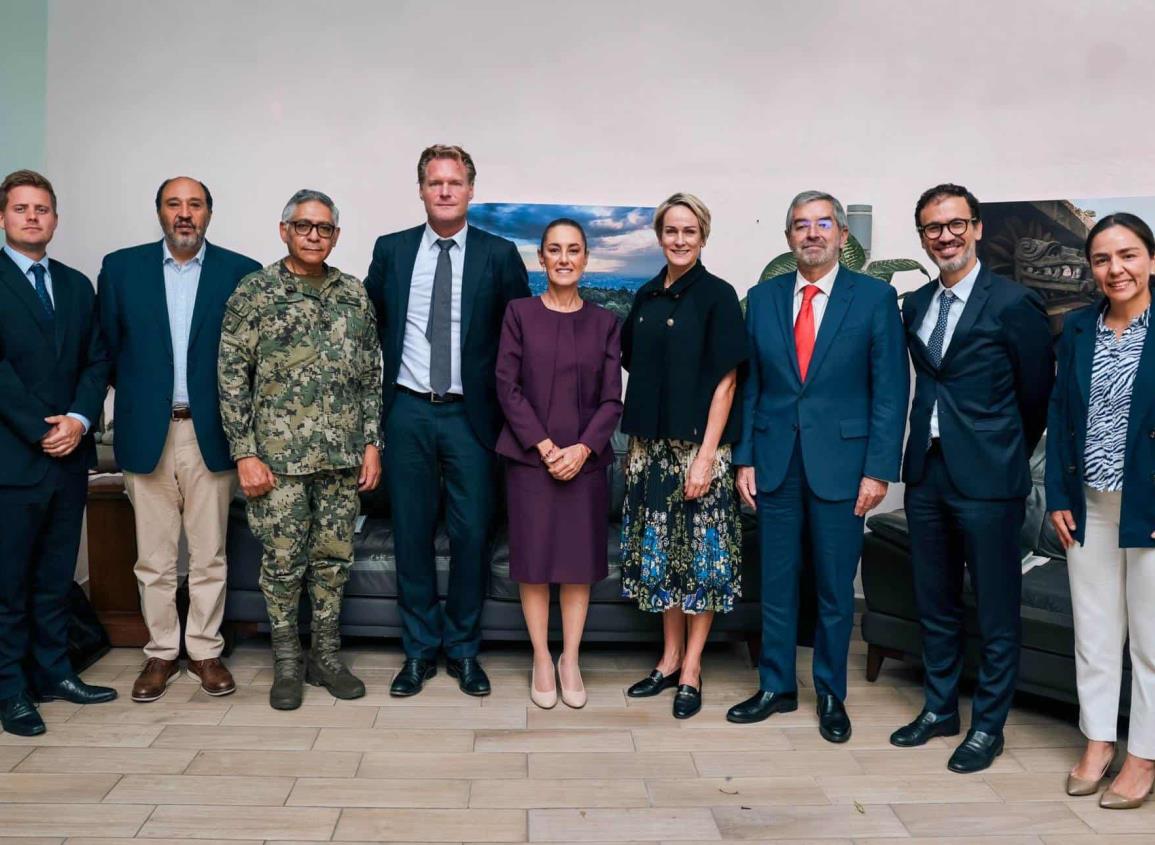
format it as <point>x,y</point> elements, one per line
<point>825,284</point>
<point>23,261</point>
<point>963,287</point>
<point>430,237</point>
<point>1142,321</point>
<point>199,258</point>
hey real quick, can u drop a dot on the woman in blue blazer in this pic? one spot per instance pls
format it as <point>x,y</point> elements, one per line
<point>1100,469</point>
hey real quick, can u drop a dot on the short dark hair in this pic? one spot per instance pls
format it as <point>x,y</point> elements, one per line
<point>946,189</point>
<point>204,187</point>
<point>563,221</point>
<point>450,151</point>
<point>25,179</point>
<point>1130,222</point>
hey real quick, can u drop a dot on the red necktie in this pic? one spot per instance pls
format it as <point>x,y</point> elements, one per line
<point>804,329</point>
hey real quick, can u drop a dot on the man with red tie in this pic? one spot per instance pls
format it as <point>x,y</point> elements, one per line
<point>823,418</point>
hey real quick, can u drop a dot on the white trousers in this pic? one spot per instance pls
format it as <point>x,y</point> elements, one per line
<point>181,493</point>
<point>1113,597</point>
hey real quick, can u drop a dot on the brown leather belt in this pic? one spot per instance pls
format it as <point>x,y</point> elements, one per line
<point>183,413</point>
<point>431,397</point>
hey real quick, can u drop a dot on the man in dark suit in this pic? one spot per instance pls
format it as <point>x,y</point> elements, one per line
<point>161,305</point>
<point>983,360</point>
<point>440,291</point>
<point>53,378</point>
<point>823,418</point>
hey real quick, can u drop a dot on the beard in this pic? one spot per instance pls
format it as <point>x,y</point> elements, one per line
<point>812,259</point>
<point>184,241</point>
<point>951,265</point>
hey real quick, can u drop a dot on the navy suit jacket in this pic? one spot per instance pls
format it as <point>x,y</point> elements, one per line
<point>849,414</point>
<point>134,318</point>
<point>493,275</point>
<point>992,388</point>
<point>47,367</point>
<point>1067,433</point>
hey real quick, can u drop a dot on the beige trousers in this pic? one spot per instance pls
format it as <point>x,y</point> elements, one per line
<point>1113,596</point>
<point>181,492</point>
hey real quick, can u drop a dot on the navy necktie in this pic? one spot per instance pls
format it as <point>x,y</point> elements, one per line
<point>934,346</point>
<point>438,331</point>
<point>42,290</point>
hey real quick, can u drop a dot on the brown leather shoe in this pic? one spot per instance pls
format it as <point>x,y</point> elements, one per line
<point>214,676</point>
<point>154,679</point>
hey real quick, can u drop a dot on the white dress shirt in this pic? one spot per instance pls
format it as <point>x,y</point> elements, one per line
<point>415,349</point>
<point>818,303</point>
<point>25,264</point>
<point>180,295</point>
<point>962,291</point>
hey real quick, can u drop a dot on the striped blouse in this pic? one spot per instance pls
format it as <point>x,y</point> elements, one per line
<point>1112,377</point>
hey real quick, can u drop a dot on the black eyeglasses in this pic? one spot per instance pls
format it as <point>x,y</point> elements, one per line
<point>304,227</point>
<point>955,227</point>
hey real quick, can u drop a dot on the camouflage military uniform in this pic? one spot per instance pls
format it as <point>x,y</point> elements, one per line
<point>300,388</point>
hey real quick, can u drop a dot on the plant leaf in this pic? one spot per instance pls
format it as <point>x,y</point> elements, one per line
<point>783,263</point>
<point>853,255</point>
<point>885,268</point>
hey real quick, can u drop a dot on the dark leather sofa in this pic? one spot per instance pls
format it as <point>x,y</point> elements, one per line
<point>370,605</point>
<point>890,621</point>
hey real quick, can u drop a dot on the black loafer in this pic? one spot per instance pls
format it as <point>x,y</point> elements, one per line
<point>653,685</point>
<point>833,723</point>
<point>412,677</point>
<point>926,727</point>
<point>75,690</point>
<point>762,705</point>
<point>687,700</point>
<point>471,678</point>
<point>18,716</point>
<point>976,753</point>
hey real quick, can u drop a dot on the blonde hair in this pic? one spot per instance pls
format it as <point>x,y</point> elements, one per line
<point>450,151</point>
<point>696,206</point>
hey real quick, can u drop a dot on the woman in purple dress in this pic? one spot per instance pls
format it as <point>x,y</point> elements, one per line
<point>559,382</point>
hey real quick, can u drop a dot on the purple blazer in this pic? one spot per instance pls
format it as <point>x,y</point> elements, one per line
<point>528,359</point>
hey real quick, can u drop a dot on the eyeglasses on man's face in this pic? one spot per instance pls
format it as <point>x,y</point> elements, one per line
<point>304,227</point>
<point>956,227</point>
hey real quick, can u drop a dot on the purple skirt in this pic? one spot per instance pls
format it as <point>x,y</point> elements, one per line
<point>557,529</point>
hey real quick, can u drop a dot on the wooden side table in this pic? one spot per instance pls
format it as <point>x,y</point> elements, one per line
<point>111,558</point>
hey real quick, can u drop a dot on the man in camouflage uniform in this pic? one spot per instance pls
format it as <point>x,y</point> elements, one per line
<point>300,382</point>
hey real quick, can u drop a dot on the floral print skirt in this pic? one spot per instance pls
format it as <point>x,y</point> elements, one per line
<point>679,553</point>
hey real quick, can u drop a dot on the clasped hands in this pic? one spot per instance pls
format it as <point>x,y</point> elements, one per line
<point>563,463</point>
<point>63,437</point>
<point>257,479</point>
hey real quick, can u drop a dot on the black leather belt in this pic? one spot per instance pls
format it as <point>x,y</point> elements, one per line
<point>182,413</point>
<point>430,396</point>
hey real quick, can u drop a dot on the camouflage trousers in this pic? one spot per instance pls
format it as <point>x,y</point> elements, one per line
<point>305,524</point>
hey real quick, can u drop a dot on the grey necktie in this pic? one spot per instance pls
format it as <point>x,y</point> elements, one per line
<point>934,346</point>
<point>438,332</point>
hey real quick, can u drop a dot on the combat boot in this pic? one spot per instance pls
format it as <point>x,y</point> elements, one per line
<point>286,692</point>
<point>325,669</point>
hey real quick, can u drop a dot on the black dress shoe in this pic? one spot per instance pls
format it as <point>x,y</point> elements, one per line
<point>75,690</point>
<point>412,677</point>
<point>655,683</point>
<point>18,716</point>
<point>471,678</point>
<point>925,728</point>
<point>833,723</point>
<point>761,705</point>
<point>687,700</point>
<point>976,753</point>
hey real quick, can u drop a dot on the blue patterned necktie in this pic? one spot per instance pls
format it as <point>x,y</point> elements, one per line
<point>934,346</point>
<point>439,329</point>
<point>42,290</point>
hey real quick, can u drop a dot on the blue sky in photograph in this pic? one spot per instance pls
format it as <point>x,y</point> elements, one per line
<point>1141,206</point>
<point>622,244</point>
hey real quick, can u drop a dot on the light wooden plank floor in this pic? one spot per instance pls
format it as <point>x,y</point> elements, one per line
<point>443,767</point>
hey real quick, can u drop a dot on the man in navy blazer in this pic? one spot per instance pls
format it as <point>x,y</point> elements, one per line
<point>440,291</point>
<point>161,306</point>
<point>53,378</point>
<point>982,354</point>
<point>823,417</point>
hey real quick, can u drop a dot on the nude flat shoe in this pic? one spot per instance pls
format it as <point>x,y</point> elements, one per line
<point>575,698</point>
<point>544,700</point>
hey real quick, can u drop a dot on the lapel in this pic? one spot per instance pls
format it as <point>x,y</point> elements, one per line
<point>406,258</point>
<point>1084,357</point>
<point>978,298</point>
<point>62,302</point>
<point>476,258</point>
<point>1142,389</point>
<point>23,291</point>
<point>201,302</point>
<point>839,303</point>
<point>151,287</point>
<point>784,305</point>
